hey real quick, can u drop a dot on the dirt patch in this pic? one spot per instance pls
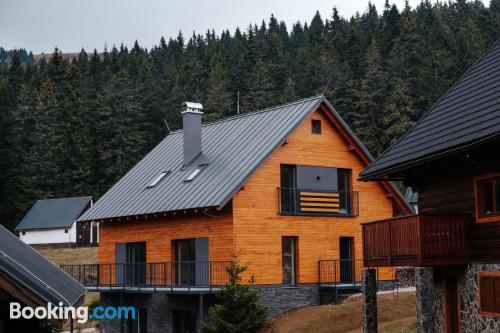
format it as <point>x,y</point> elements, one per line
<point>396,313</point>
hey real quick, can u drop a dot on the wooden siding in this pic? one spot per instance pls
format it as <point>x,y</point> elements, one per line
<point>258,228</point>
<point>159,234</point>
<point>455,195</point>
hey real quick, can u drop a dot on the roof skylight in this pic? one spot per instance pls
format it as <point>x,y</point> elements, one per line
<point>195,172</point>
<point>158,179</point>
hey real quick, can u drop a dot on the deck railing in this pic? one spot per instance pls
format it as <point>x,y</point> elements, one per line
<point>297,201</point>
<point>340,271</point>
<point>416,240</point>
<point>151,275</point>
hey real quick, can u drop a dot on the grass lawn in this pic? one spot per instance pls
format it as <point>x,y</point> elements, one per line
<point>85,255</point>
<point>396,314</point>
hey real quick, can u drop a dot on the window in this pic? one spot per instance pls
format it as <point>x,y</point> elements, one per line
<point>24,233</point>
<point>193,174</point>
<point>158,179</point>
<point>66,231</point>
<point>344,188</point>
<point>289,259</point>
<point>316,126</point>
<point>488,198</point>
<point>489,293</point>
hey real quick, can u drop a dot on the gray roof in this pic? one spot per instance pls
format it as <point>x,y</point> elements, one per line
<point>54,213</point>
<point>30,269</point>
<point>469,113</point>
<point>233,148</point>
<point>410,196</point>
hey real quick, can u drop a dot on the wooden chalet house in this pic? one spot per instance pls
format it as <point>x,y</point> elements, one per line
<point>275,186</point>
<point>451,157</point>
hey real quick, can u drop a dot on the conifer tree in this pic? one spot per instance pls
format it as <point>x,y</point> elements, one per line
<point>260,88</point>
<point>218,102</point>
<point>238,309</point>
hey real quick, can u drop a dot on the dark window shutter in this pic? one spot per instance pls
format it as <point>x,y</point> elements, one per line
<point>496,294</point>
<point>486,293</point>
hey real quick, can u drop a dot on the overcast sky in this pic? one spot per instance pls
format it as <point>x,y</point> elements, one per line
<point>40,25</point>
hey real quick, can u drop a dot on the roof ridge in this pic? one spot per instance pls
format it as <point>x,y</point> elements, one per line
<point>63,198</point>
<point>247,114</point>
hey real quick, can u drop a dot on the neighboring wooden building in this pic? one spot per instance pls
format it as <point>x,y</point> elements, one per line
<point>51,223</point>
<point>29,279</point>
<point>275,187</point>
<point>451,156</point>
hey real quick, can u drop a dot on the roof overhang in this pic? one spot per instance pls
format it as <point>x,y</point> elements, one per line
<point>155,215</point>
<point>396,171</point>
<point>26,295</point>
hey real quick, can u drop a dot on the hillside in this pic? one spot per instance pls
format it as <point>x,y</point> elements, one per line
<point>76,256</point>
<point>396,315</point>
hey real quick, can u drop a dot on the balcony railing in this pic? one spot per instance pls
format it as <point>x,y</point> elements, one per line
<point>416,240</point>
<point>151,276</point>
<point>295,201</point>
<point>346,273</point>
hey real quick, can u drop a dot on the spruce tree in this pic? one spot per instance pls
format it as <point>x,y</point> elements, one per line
<point>261,89</point>
<point>218,103</point>
<point>238,309</point>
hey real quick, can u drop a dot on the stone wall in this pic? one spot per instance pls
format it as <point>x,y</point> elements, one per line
<point>471,320</point>
<point>430,300</point>
<point>159,309</point>
<point>431,296</point>
<point>279,298</point>
<point>404,277</point>
<point>276,298</point>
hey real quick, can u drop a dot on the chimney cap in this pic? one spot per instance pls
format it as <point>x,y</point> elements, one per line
<point>192,107</point>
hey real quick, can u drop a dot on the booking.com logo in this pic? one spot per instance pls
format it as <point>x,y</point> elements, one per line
<point>82,314</point>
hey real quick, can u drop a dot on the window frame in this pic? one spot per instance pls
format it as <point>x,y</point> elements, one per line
<point>158,179</point>
<point>317,128</point>
<point>480,276</point>
<point>479,200</point>
<point>294,257</point>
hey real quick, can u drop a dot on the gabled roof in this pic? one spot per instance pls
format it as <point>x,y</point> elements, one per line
<point>468,114</point>
<point>27,268</point>
<point>54,213</point>
<point>411,197</point>
<point>233,149</point>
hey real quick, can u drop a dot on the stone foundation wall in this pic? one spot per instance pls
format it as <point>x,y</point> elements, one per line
<point>430,300</point>
<point>279,298</point>
<point>404,276</point>
<point>471,320</point>
<point>276,298</point>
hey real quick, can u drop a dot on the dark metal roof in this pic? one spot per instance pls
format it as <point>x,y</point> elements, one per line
<point>54,213</point>
<point>469,113</point>
<point>30,269</point>
<point>232,147</point>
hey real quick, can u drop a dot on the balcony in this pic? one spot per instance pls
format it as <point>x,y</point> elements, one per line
<point>416,240</point>
<point>295,201</point>
<point>168,277</point>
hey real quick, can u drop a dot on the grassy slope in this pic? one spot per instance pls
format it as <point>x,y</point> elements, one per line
<point>396,314</point>
<point>87,255</point>
<point>73,257</point>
